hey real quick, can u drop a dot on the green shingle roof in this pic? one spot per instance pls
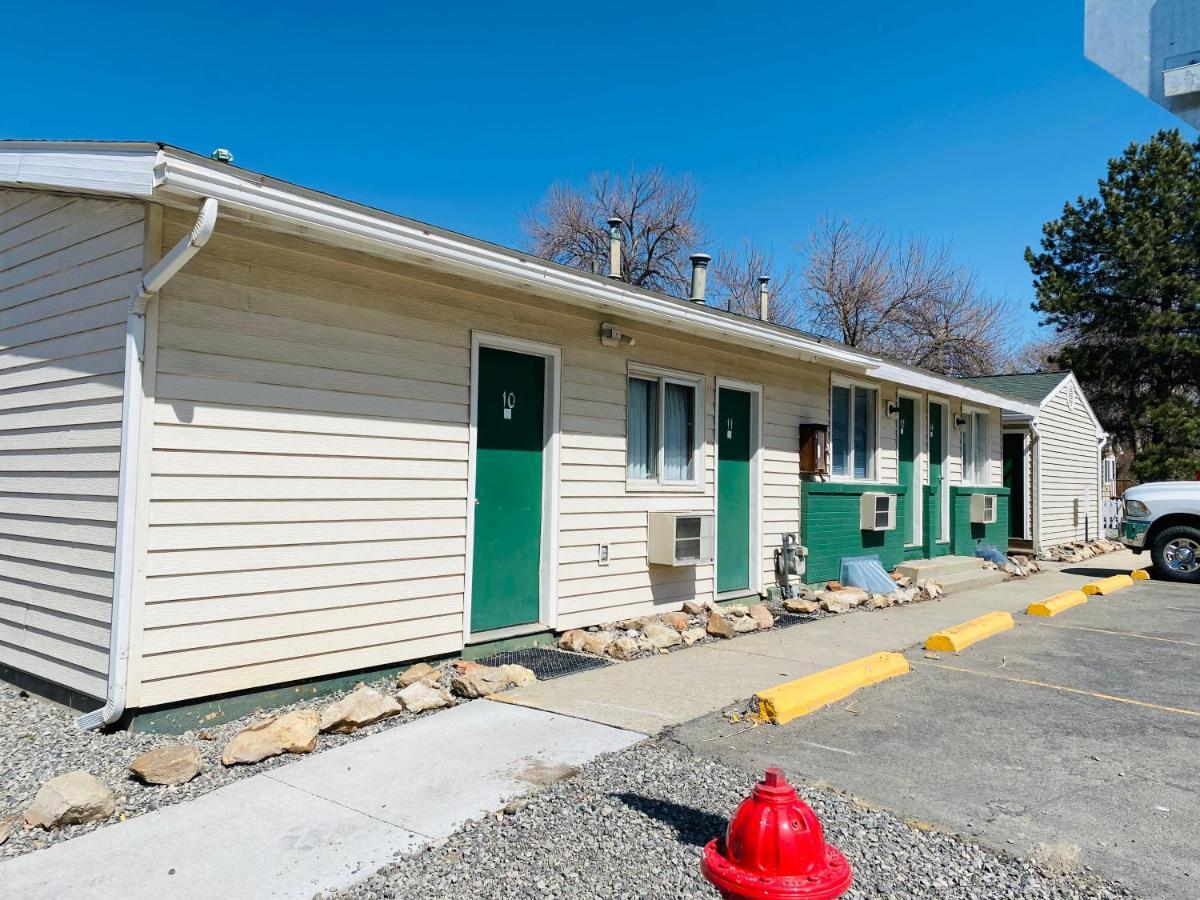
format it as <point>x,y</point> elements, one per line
<point>1032,387</point>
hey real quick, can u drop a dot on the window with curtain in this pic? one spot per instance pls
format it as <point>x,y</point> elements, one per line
<point>852,431</point>
<point>975,455</point>
<point>642,430</point>
<point>661,433</point>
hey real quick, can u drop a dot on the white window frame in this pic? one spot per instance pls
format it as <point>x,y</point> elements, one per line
<point>665,377</point>
<point>968,478</point>
<point>871,477</point>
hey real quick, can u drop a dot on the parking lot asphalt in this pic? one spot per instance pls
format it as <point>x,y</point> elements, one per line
<point>1074,739</point>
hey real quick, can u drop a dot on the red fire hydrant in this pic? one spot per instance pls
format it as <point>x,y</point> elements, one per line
<point>775,847</point>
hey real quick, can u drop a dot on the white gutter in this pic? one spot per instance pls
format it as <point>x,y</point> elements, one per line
<point>953,387</point>
<point>258,195</point>
<point>131,422</point>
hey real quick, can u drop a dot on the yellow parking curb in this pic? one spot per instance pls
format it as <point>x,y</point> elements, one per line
<point>1139,575</point>
<point>1107,585</point>
<point>793,699</point>
<point>951,640</point>
<point>1052,606</point>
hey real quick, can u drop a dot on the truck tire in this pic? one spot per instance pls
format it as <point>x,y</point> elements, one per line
<point>1176,554</point>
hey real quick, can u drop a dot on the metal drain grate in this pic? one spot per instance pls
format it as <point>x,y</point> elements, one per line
<point>545,662</point>
<point>787,619</point>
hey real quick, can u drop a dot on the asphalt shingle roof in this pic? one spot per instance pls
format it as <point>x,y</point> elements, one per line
<point>1032,387</point>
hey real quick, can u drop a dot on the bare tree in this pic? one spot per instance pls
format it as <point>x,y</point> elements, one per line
<point>1038,354</point>
<point>958,331</point>
<point>733,282</point>
<point>659,227</point>
<point>905,299</point>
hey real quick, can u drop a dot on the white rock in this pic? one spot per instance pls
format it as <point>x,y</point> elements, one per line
<point>421,696</point>
<point>71,799</point>
<point>362,707</point>
<point>661,636</point>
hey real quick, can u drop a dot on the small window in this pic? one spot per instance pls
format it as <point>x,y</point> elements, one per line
<point>852,431</point>
<point>976,458</point>
<point>662,437</point>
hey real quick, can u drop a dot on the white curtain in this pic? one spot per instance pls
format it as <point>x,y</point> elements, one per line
<point>678,433</point>
<point>642,437</point>
<point>982,456</point>
<point>841,429</point>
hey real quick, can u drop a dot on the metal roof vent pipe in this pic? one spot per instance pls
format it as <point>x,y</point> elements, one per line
<point>700,263</point>
<point>764,297</point>
<point>614,247</point>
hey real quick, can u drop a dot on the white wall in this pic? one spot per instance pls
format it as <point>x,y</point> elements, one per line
<point>67,268</point>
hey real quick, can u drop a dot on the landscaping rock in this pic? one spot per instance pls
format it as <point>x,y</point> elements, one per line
<point>175,764</point>
<point>904,595</point>
<point>624,648</point>
<point>677,620</point>
<point>692,635</point>
<point>880,601</point>
<point>694,608</point>
<point>801,606</point>
<point>483,681</point>
<point>420,672</point>
<point>363,706</point>
<point>71,799</point>
<point>834,602</point>
<point>743,624</point>
<point>737,609</point>
<point>294,732</point>
<point>597,642</point>
<point>421,696</point>
<point>762,616</point>
<point>718,626</point>
<point>902,580</point>
<point>834,586</point>
<point>661,636</point>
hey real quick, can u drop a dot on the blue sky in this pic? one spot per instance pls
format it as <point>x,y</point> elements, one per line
<point>966,122</point>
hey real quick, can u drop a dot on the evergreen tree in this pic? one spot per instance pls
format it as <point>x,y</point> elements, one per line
<point>1119,276</point>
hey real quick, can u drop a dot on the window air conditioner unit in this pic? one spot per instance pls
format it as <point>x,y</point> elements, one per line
<point>877,512</point>
<point>680,539</point>
<point>983,509</point>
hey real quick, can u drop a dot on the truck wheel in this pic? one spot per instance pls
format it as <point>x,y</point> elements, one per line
<point>1176,553</point>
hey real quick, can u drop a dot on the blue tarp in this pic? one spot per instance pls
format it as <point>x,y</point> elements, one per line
<point>866,572</point>
<point>992,554</point>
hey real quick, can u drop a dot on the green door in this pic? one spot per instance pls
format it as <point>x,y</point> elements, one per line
<point>734,452</point>
<point>1014,480</point>
<point>506,571</point>
<point>908,469</point>
<point>937,453</point>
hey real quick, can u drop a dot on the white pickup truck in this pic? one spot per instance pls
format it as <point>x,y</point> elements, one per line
<point>1164,518</point>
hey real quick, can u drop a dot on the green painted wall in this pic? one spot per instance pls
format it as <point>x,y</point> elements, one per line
<point>829,520</point>
<point>965,537</point>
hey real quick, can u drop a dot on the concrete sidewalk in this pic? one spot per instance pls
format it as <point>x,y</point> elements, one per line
<point>650,695</point>
<point>325,821</point>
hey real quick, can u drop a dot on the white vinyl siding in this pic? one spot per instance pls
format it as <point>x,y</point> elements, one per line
<point>67,267</point>
<point>1070,461</point>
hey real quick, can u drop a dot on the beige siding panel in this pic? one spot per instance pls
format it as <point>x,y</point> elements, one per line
<point>318,512</point>
<point>322,663</point>
<point>249,606</point>
<point>67,267</point>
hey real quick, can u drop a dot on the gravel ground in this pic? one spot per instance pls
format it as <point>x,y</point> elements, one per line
<point>39,740</point>
<point>632,825</point>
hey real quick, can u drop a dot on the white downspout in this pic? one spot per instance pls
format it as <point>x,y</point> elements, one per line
<point>1036,493</point>
<point>131,414</point>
